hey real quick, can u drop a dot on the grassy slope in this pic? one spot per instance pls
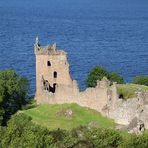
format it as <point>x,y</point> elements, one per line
<point>128,90</point>
<point>52,116</point>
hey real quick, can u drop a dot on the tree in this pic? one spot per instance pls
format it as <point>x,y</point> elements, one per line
<point>13,93</point>
<point>97,73</point>
<point>115,77</point>
<point>142,80</point>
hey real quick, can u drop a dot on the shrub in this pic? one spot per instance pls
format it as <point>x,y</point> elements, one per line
<point>98,72</point>
<point>21,132</point>
<point>102,138</point>
<point>142,80</point>
<point>115,77</point>
<point>135,141</point>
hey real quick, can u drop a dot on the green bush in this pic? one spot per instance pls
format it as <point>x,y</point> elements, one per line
<point>135,141</point>
<point>142,80</point>
<point>103,138</point>
<point>115,77</point>
<point>98,72</point>
<point>21,132</point>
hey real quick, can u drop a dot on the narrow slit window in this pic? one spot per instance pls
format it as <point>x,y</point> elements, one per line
<point>48,63</point>
<point>55,74</point>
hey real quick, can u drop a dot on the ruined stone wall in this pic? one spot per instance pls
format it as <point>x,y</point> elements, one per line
<point>126,110</point>
<point>95,98</point>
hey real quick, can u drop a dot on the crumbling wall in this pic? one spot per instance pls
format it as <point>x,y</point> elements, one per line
<point>126,110</point>
<point>95,98</point>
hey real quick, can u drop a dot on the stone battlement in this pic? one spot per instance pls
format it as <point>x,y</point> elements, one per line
<point>47,50</point>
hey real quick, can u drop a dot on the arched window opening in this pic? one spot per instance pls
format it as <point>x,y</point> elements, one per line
<point>55,74</point>
<point>48,63</point>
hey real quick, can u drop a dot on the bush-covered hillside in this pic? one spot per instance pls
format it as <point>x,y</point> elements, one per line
<point>67,116</point>
<point>22,132</point>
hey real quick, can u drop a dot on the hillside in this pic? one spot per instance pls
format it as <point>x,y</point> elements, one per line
<point>67,116</point>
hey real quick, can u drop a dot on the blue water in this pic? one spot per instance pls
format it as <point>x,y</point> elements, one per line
<point>110,33</point>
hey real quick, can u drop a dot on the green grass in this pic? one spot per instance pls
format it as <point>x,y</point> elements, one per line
<point>129,90</point>
<point>53,116</point>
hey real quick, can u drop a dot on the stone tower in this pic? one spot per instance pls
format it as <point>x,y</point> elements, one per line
<point>52,69</point>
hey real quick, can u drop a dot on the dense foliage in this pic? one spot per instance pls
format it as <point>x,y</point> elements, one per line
<point>98,72</point>
<point>103,138</point>
<point>135,141</point>
<point>22,132</point>
<point>13,94</point>
<point>115,77</point>
<point>142,80</point>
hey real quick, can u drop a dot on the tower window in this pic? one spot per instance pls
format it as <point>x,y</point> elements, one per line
<point>48,63</point>
<point>55,74</point>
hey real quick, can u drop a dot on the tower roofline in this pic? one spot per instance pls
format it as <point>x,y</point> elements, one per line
<point>48,49</point>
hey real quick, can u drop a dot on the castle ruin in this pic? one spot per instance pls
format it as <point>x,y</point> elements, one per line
<point>54,85</point>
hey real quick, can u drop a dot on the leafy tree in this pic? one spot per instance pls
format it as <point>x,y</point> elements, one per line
<point>115,77</point>
<point>142,80</point>
<point>13,93</point>
<point>97,73</point>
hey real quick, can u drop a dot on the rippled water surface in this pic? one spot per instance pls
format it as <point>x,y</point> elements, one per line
<point>110,33</point>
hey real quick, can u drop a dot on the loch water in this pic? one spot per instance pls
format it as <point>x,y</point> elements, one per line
<point>109,33</point>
